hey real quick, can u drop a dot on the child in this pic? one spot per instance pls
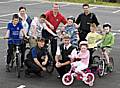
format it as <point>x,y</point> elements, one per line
<point>14,28</point>
<point>70,28</point>
<point>92,37</point>
<point>37,26</point>
<point>108,41</point>
<point>81,57</point>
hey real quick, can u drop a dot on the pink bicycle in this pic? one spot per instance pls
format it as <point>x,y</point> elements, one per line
<point>86,76</point>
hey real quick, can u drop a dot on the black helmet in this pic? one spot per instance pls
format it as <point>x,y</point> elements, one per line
<point>72,18</point>
<point>107,25</point>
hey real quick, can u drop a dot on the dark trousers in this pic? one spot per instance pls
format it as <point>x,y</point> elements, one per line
<point>10,50</point>
<point>23,48</point>
<point>82,35</point>
<point>91,59</point>
<point>32,67</point>
<point>53,47</point>
<point>64,69</point>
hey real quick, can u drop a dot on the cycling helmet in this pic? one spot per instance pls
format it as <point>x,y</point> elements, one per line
<point>72,18</point>
<point>107,25</point>
<point>83,43</point>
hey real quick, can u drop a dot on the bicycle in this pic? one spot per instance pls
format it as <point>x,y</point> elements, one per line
<point>100,62</point>
<point>16,58</point>
<point>85,75</point>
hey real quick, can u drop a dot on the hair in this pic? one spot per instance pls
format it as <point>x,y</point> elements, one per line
<point>15,16</point>
<point>93,25</point>
<point>22,8</point>
<point>66,37</point>
<point>40,39</point>
<point>43,16</point>
<point>85,5</point>
<point>107,25</point>
<point>83,43</point>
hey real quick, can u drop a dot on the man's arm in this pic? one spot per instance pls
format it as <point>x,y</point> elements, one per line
<point>7,34</point>
<point>37,62</point>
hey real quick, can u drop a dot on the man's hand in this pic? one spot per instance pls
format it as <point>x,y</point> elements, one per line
<point>43,68</point>
<point>44,63</point>
<point>58,64</point>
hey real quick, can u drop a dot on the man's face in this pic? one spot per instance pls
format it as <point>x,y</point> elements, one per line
<point>15,21</point>
<point>55,8</point>
<point>22,11</point>
<point>66,41</point>
<point>86,9</point>
<point>41,44</point>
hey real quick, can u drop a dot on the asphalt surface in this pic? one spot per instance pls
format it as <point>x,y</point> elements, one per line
<point>34,8</point>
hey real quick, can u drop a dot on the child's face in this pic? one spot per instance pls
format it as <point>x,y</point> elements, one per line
<point>106,29</point>
<point>92,29</point>
<point>42,20</point>
<point>70,21</point>
<point>83,48</point>
<point>15,21</point>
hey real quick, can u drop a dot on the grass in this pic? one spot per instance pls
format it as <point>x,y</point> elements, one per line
<point>96,2</point>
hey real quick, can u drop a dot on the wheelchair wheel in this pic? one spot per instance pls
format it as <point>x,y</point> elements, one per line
<point>89,79</point>
<point>50,64</point>
<point>111,68</point>
<point>67,79</point>
<point>101,68</point>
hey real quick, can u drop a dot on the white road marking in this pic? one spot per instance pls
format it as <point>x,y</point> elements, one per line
<point>93,7</point>
<point>3,28</point>
<point>64,5</point>
<point>7,14</point>
<point>32,4</point>
<point>116,11</point>
<point>9,1</point>
<point>4,19</point>
<point>21,86</point>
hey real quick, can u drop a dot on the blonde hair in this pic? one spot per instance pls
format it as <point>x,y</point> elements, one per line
<point>93,25</point>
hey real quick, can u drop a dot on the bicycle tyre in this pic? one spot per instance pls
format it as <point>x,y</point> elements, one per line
<point>18,61</point>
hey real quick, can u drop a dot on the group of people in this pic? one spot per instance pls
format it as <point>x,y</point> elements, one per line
<point>79,37</point>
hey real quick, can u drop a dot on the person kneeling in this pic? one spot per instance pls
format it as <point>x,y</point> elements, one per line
<point>37,58</point>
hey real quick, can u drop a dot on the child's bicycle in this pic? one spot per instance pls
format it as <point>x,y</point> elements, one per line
<point>16,58</point>
<point>100,63</point>
<point>86,76</point>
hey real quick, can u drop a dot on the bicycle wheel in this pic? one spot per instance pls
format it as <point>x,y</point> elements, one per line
<point>50,64</point>
<point>111,67</point>
<point>67,79</point>
<point>101,67</point>
<point>18,61</point>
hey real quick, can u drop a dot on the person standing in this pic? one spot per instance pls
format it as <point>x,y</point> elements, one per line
<point>26,21</point>
<point>55,18</point>
<point>85,19</point>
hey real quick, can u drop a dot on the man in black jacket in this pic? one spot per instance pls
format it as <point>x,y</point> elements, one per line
<point>85,19</point>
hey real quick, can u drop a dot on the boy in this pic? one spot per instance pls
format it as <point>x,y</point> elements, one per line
<point>14,28</point>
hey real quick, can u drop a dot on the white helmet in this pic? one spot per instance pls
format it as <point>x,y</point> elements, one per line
<point>83,43</point>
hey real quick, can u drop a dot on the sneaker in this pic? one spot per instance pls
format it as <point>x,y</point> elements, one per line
<point>58,77</point>
<point>7,68</point>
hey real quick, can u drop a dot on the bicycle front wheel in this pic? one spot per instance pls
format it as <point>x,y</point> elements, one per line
<point>18,61</point>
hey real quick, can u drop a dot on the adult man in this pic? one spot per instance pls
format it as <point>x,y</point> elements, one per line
<point>26,21</point>
<point>55,18</point>
<point>85,19</point>
<point>37,58</point>
<point>65,49</point>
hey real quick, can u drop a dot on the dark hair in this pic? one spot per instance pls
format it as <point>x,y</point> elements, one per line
<point>22,8</point>
<point>85,5</point>
<point>72,18</point>
<point>43,16</point>
<point>15,16</point>
<point>107,25</point>
<point>39,39</point>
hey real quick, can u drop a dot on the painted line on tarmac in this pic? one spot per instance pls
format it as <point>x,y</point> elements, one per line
<point>3,28</point>
<point>32,4</point>
<point>9,1</point>
<point>7,14</point>
<point>116,11</point>
<point>93,7</point>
